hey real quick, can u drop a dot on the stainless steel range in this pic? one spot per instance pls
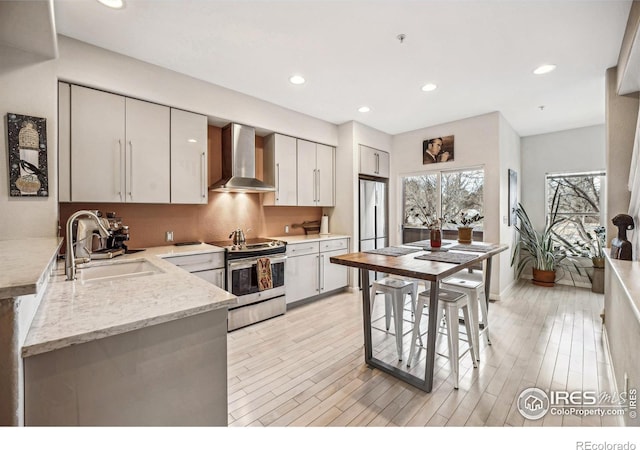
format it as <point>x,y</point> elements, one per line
<point>254,305</point>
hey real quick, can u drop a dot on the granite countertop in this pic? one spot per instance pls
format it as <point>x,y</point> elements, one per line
<point>628,272</point>
<point>73,312</point>
<point>24,263</point>
<point>308,237</point>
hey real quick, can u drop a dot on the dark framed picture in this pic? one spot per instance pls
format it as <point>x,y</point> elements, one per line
<point>513,196</point>
<point>27,146</point>
<point>437,149</point>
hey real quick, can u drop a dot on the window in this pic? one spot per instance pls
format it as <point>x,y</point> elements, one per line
<point>580,202</point>
<point>439,194</point>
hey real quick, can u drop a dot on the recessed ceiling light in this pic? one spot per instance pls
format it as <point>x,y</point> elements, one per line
<point>296,79</point>
<point>192,141</point>
<point>545,68</point>
<point>429,87</point>
<point>364,109</point>
<point>115,4</point>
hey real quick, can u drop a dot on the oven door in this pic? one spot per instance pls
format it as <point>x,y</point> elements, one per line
<point>242,279</point>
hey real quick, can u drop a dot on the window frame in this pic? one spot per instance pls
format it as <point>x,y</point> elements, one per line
<point>439,173</point>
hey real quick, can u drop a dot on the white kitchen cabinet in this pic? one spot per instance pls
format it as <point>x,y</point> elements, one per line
<point>119,148</point>
<point>301,277</point>
<point>309,271</point>
<point>97,146</point>
<point>374,162</point>
<point>188,157</point>
<point>208,266</point>
<point>315,174</point>
<point>147,153</point>
<point>280,170</point>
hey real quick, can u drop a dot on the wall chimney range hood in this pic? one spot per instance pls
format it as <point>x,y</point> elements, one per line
<point>239,161</point>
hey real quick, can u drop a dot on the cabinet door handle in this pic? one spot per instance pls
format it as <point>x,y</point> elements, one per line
<point>377,163</point>
<point>277,181</point>
<point>131,170</point>
<point>120,169</point>
<point>322,273</point>
<point>315,183</point>
<point>203,177</point>
<point>318,186</point>
<point>318,285</point>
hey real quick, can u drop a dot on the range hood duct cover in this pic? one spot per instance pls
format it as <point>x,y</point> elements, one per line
<point>239,161</point>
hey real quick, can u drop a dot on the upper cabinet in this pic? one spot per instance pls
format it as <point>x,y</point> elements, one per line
<point>303,172</point>
<point>280,170</point>
<point>374,162</point>
<point>315,174</point>
<point>188,157</point>
<point>120,149</point>
<point>147,152</point>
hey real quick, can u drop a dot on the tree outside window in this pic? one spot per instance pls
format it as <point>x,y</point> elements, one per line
<point>581,204</point>
<point>441,194</point>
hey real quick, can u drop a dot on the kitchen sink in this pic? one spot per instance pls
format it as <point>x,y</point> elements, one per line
<point>117,270</point>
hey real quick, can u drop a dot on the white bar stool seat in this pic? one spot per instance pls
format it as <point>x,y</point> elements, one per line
<point>449,302</point>
<point>474,289</point>
<point>394,290</point>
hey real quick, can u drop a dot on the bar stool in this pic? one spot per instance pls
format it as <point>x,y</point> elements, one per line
<point>474,290</point>
<point>394,290</point>
<point>450,302</point>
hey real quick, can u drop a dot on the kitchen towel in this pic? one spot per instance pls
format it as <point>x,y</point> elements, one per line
<point>265,280</point>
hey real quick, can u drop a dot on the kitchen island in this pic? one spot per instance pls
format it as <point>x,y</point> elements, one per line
<point>146,349</point>
<point>412,266</point>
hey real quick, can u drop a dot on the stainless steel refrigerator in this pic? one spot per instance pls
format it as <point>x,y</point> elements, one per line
<point>374,219</point>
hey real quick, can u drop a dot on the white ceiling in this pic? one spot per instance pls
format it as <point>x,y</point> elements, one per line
<point>480,54</point>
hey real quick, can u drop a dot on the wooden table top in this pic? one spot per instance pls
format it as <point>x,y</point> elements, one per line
<point>409,266</point>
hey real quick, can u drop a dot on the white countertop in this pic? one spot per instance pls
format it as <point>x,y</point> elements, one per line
<point>628,272</point>
<point>292,239</point>
<point>73,312</point>
<point>23,263</point>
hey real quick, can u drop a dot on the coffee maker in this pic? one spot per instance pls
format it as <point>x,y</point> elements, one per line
<point>115,243</point>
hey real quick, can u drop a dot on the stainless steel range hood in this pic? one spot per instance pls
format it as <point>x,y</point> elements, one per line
<point>239,161</point>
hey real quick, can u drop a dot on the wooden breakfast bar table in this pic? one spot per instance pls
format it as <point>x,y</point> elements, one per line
<point>397,261</point>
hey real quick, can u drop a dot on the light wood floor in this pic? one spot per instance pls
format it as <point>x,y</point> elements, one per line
<point>306,368</point>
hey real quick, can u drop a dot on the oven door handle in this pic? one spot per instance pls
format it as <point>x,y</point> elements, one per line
<point>247,263</point>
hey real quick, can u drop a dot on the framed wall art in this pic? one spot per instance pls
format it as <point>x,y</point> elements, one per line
<point>27,146</point>
<point>513,196</point>
<point>437,149</point>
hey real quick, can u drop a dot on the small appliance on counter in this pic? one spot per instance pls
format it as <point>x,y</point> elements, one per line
<point>114,244</point>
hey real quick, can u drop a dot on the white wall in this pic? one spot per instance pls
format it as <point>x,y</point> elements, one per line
<point>509,159</point>
<point>343,218</point>
<point>28,86</point>
<point>92,66</point>
<point>476,144</point>
<point>577,150</point>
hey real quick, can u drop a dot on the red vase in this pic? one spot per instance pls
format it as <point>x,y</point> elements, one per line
<point>435,237</point>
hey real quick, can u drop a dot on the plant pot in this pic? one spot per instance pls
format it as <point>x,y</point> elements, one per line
<point>597,280</point>
<point>464,235</point>
<point>545,278</point>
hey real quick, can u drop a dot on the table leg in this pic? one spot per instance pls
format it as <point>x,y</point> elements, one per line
<point>366,315</point>
<point>487,281</point>
<point>431,335</point>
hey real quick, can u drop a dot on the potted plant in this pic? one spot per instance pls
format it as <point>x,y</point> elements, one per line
<point>464,220</point>
<point>540,249</point>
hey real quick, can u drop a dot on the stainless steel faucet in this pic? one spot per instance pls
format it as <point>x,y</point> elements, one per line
<point>70,259</point>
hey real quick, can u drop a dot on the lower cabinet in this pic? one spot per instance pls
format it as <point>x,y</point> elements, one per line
<point>208,266</point>
<point>309,271</point>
